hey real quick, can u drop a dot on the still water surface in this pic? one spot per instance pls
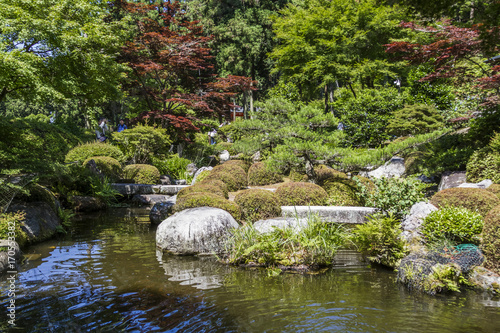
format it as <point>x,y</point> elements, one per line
<point>106,276</point>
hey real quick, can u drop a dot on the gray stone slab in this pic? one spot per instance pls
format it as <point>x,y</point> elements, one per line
<point>338,214</point>
<point>133,189</point>
<point>149,199</point>
<point>451,179</point>
<point>169,189</point>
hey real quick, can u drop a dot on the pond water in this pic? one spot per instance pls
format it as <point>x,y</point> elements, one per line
<point>106,276</point>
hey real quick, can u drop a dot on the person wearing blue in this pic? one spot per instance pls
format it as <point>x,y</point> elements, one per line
<point>121,126</point>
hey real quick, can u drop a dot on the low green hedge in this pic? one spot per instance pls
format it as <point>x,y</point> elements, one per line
<point>324,173</point>
<point>202,176</point>
<point>82,152</point>
<point>457,224</point>
<point>301,194</point>
<point>473,199</point>
<point>258,204</point>
<point>241,163</point>
<point>495,189</point>
<point>203,188</point>
<point>259,174</point>
<point>109,166</point>
<point>491,240</point>
<point>297,176</point>
<point>214,182</point>
<point>142,173</point>
<point>342,192</point>
<point>194,200</point>
<point>234,176</point>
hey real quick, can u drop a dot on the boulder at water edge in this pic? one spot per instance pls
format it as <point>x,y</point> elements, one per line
<point>395,167</point>
<point>202,230</point>
<point>162,210</point>
<point>412,223</point>
<point>9,249</point>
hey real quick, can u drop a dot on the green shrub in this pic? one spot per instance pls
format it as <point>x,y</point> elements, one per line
<point>142,173</point>
<point>194,200</point>
<point>484,164</point>
<point>298,177</point>
<point>202,176</point>
<point>103,191</point>
<point>234,176</point>
<point>324,173</point>
<point>110,167</point>
<point>341,192</point>
<point>258,204</point>
<point>474,199</point>
<point>242,164</point>
<point>457,224</point>
<point>301,194</point>
<point>259,174</point>
<point>203,188</point>
<point>141,143</point>
<point>221,146</point>
<point>31,145</point>
<point>393,195</point>
<point>214,182</point>
<point>491,240</point>
<point>82,152</point>
<point>314,245</point>
<point>173,166</point>
<point>495,189</point>
<point>379,239</point>
<point>414,119</point>
<point>13,222</point>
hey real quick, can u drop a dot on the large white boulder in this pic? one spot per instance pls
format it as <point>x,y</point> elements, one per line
<point>202,230</point>
<point>412,223</point>
<point>395,167</point>
<point>224,156</point>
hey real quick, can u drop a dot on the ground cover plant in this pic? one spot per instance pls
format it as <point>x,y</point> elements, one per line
<point>490,244</point>
<point>474,199</point>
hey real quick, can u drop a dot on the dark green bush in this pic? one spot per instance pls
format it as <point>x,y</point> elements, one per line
<point>109,166</point>
<point>12,223</point>
<point>474,199</point>
<point>242,164</point>
<point>301,194</point>
<point>259,174</point>
<point>491,240</point>
<point>342,192</point>
<point>142,173</point>
<point>484,164</point>
<point>221,146</point>
<point>173,166</point>
<point>141,143</point>
<point>414,119</point>
<point>495,189</point>
<point>194,200</point>
<point>258,204</point>
<point>82,152</point>
<point>456,224</point>
<point>202,188</point>
<point>234,176</point>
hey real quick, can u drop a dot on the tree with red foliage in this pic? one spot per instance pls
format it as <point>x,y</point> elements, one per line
<point>171,73</point>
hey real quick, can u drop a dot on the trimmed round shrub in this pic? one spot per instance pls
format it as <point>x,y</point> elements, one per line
<point>142,173</point>
<point>258,204</point>
<point>491,240</point>
<point>301,194</point>
<point>342,192</point>
<point>214,182</point>
<point>474,199</point>
<point>202,188</point>
<point>109,166</point>
<point>258,174</point>
<point>324,173</point>
<point>202,175</point>
<point>242,164</point>
<point>484,164</point>
<point>495,189</point>
<point>457,224</point>
<point>234,176</point>
<point>297,176</point>
<point>83,152</point>
<point>194,200</point>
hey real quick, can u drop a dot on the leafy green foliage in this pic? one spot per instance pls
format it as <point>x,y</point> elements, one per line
<point>414,119</point>
<point>342,192</point>
<point>491,240</point>
<point>314,245</point>
<point>84,151</point>
<point>379,239</point>
<point>141,143</point>
<point>473,199</point>
<point>202,176</point>
<point>258,204</point>
<point>393,195</point>
<point>495,189</point>
<point>110,167</point>
<point>173,166</point>
<point>11,226</point>
<point>457,224</point>
<point>260,174</point>
<point>203,188</point>
<point>485,163</point>
<point>194,200</point>
<point>301,194</point>
<point>103,191</point>
<point>142,173</point>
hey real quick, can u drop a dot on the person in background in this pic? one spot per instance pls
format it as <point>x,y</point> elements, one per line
<point>101,129</point>
<point>121,126</point>
<point>211,136</point>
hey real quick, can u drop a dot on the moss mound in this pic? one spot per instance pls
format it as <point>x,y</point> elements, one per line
<point>325,173</point>
<point>109,166</point>
<point>258,174</point>
<point>82,152</point>
<point>258,204</point>
<point>194,200</point>
<point>218,183</point>
<point>495,189</point>
<point>473,199</point>
<point>232,175</point>
<point>342,192</point>
<point>301,194</point>
<point>242,164</point>
<point>491,240</point>
<point>203,188</point>
<point>297,176</point>
<point>201,177</point>
<point>142,173</point>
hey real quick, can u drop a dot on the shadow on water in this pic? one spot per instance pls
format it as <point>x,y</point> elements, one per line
<point>106,275</point>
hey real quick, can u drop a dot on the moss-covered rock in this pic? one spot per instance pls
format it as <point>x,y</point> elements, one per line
<point>233,175</point>
<point>193,200</point>
<point>342,192</point>
<point>301,194</point>
<point>495,189</point>
<point>241,163</point>
<point>82,152</point>
<point>203,188</point>
<point>109,166</point>
<point>491,240</point>
<point>258,204</point>
<point>142,173</point>
<point>259,174</point>
<point>473,199</point>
